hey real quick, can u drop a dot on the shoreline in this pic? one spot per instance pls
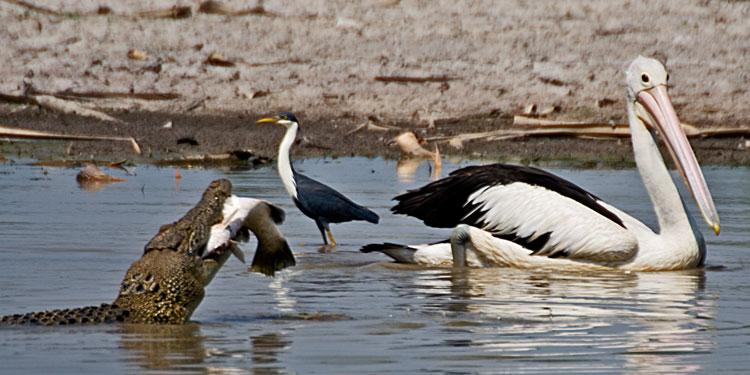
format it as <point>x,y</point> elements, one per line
<point>235,139</point>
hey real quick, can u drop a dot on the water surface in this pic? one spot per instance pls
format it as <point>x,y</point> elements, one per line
<point>348,312</point>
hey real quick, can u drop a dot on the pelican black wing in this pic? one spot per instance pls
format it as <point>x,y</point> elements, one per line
<point>444,203</point>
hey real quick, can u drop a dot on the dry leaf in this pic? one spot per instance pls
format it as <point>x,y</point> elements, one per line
<point>218,59</point>
<point>135,54</point>
<point>529,109</point>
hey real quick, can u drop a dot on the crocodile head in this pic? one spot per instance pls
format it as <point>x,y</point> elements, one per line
<point>167,283</point>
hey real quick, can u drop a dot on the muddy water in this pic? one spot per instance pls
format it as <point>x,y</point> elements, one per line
<point>348,312</point>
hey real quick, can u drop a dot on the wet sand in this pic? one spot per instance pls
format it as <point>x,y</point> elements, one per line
<point>330,62</point>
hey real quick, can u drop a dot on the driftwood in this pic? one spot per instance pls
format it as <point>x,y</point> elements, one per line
<point>64,106</point>
<point>59,105</point>
<point>60,101</point>
<point>32,134</point>
<point>534,127</point>
<point>618,130</point>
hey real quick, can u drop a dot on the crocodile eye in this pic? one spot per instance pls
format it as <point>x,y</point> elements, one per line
<point>645,79</point>
<point>667,77</point>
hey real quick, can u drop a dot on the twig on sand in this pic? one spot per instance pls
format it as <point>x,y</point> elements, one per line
<point>194,105</point>
<point>369,125</point>
<point>175,12</point>
<point>216,7</point>
<point>218,59</point>
<point>33,134</point>
<point>35,8</point>
<point>293,61</point>
<point>151,96</point>
<point>414,79</point>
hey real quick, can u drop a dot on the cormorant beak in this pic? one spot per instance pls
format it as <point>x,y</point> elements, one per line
<point>658,105</point>
<point>268,120</point>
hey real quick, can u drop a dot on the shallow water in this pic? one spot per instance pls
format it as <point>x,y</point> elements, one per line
<point>348,312</point>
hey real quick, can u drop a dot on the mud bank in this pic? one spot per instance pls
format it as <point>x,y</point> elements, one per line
<point>235,138</point>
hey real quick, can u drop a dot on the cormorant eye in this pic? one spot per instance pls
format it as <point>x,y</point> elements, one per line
<point>645,78</point>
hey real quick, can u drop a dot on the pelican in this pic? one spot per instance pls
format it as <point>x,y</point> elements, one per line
<point>514,216</point>
<point>315,199</point>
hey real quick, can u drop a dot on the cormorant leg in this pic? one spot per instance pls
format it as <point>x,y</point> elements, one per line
<point>322,230</point>
<point>330,236</point>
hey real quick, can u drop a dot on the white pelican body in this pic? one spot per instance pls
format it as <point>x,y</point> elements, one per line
<point>524,217</point>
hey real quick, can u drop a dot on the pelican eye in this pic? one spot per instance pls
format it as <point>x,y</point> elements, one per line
<point>645,79</point>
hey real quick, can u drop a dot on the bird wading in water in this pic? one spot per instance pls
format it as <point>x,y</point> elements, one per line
<point>315,199</point>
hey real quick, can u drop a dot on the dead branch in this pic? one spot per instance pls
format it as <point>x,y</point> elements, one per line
<point>282,62</point>
<point>64,106</point>
<point>112,95</point>
<point>216,7</point>
<point>35,8</point>
<point>33,134</point>
<point>618,129</point>
<point>413,79</point>
<point>17,99</point>
<point>531,121</point>
<point>174,12</point>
